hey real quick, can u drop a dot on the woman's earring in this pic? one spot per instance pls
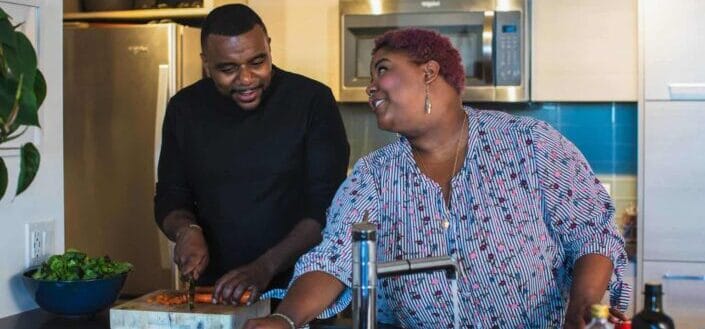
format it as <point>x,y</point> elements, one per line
<point>427,102</point>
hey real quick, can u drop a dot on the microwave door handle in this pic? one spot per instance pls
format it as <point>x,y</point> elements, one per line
<point>487,56</point>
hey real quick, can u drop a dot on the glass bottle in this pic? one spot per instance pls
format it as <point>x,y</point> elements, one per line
<point>599,317</point>
<point>652,316</point>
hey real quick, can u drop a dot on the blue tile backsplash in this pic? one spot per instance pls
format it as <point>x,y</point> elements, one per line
<point>606,132</point>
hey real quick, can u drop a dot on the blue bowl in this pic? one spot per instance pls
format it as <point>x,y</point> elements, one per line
<point>74,298</point>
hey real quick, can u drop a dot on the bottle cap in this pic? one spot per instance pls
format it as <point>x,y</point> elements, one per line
<point>599,311</point>
<point>653,288</point>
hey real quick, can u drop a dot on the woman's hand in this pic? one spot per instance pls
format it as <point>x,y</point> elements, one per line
<point>254,277</point>
<point>266,323</point>
<point>191,252</point>
<point>616,316</point>
<point>576,319</point>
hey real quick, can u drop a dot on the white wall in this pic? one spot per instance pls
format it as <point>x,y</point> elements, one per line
<point>44,199</point>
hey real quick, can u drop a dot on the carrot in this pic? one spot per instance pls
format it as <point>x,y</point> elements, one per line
<point>203,298</point>
<point>203,295</point>
<point>245,297</point>
<point>207,297</point>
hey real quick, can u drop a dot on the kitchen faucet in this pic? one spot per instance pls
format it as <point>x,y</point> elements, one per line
<point>366,271</point>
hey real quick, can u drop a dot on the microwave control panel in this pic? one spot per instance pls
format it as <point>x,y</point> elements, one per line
<point>507,42</point>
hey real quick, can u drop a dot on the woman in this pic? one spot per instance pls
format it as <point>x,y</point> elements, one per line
<point>509,197</point>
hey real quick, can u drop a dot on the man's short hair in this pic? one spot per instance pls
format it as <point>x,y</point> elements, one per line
<point>230,20</point>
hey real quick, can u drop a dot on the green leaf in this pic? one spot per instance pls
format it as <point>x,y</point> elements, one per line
<point>7,32</point>
<point>7,96</point>
<point>40,88</point>
<point>75,265</point>
<point>3,14</point>
<point>29,164</point>
<point>26,57</point>
<point>3,178</point>
<point>29,111</point>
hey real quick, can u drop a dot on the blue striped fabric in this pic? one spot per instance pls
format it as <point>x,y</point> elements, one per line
<point>524,207</point>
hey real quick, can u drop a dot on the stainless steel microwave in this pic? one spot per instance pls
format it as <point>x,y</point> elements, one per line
<point>491,35</point>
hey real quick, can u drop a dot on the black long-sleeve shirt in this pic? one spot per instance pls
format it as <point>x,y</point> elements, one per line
<point>250,176</point>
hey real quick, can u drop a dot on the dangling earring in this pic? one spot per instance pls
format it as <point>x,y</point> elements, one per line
<point>427,101</point>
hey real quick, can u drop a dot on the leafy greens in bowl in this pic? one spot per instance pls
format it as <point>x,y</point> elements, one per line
<point>74,284</point>
<point>75,265</point>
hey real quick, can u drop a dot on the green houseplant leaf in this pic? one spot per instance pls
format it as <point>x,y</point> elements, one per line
<point>22,91</point>
<point>24,67</point>
<point>21,59</point>
<point>7,96</point>
<point>3,178</point>
<point>6,29</point>
<point>29,165</point>
<point>40,88</point>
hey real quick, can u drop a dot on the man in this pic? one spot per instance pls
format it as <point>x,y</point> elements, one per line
<point>251,158</point>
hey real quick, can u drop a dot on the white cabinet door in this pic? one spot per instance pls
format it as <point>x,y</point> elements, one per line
<point>684,291</point>
<point>674,181</point>
<point>674,48</point>
<point>584,50</point>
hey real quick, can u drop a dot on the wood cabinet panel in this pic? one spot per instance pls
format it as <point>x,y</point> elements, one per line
<point>584,50</point>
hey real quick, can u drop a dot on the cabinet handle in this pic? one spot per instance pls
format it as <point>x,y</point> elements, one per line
<point>669,276</point>
<point>687,91</point>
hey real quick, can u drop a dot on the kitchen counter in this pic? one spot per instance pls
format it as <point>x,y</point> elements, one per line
<point>40,319</point>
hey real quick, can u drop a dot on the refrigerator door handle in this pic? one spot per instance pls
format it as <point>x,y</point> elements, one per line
<point>162,98</point>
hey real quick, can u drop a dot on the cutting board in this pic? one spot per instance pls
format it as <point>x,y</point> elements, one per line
<point>141,314</point>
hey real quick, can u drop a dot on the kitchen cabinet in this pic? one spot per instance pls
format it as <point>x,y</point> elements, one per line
<point>672,156</point>
<point>684,288</point>
<point>305,37</point>
<point>674,181</point>
<point>584,50</point>
<point>147,14</point>
<point>674,46</point>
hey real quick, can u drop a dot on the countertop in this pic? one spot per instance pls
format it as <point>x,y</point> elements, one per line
<point>40,319</point>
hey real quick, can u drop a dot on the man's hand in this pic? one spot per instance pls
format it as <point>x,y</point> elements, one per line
<point>254,277</point>
<point>191,252</point>
<point>266,323</point>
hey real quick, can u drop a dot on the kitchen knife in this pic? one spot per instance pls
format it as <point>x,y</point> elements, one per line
<point>191,293</point>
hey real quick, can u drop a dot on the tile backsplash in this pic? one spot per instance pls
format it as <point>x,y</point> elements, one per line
<point>605,132</point>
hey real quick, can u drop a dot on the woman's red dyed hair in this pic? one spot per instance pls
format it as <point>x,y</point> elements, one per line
<point>425,45</point>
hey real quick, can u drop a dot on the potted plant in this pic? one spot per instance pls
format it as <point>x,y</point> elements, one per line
<point>22,91</point>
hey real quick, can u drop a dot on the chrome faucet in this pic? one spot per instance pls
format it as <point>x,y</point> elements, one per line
<point>365,272</point>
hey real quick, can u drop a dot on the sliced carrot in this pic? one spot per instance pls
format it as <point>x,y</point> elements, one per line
<point>203,295</point>
<point>245,297</point>
<point>203,298</point>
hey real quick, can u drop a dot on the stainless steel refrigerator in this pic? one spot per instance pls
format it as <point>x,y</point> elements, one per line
<point>117,80</point>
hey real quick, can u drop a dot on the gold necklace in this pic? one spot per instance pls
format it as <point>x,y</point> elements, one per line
<point>455,160</point>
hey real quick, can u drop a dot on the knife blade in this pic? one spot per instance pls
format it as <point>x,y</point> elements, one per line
<point>191,293</point>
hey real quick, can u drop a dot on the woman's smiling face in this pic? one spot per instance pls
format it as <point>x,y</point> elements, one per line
<point>396,90</point>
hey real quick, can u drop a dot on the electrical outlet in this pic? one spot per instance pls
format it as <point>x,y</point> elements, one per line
<point>40,242</point>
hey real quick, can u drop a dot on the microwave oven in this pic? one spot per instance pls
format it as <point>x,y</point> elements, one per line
<point>492,37</point>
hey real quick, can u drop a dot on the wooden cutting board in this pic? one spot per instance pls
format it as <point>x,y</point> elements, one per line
<point>141,314</point>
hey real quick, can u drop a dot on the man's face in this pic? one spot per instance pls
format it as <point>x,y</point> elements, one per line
<point>240,66</point>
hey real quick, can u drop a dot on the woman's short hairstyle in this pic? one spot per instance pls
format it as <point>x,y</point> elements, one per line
<point>425,45</point>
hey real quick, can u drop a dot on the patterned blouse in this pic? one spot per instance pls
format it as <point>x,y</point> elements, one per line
<point>523,208</point>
